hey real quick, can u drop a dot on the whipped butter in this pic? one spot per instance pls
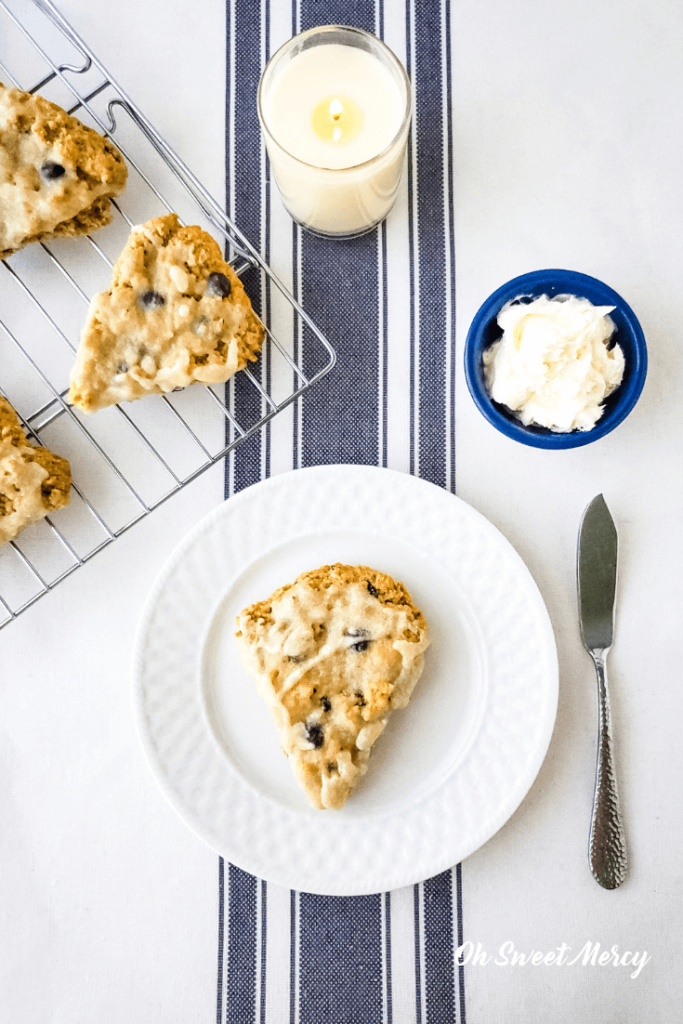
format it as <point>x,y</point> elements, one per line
<point>552,366</point>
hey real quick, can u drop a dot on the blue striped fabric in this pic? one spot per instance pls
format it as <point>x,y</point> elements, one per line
<point>340,971</point>
<point>242,958</point>
<point>386,302</point>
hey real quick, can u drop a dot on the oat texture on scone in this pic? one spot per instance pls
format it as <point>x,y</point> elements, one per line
<point>33,480</point>
<point>57,176</point>
<point>175,314</point>
<point>333,654</point>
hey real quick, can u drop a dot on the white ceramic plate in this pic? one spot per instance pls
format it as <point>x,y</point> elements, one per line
<point>449,769</point>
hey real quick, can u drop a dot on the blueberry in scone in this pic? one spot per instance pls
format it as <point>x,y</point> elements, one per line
<point>333,654</point>
<point>175,313</point>
<point>33,480</point>
<point>57,176</point>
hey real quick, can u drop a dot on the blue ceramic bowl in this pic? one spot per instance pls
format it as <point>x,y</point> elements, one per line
<point>484,331</point>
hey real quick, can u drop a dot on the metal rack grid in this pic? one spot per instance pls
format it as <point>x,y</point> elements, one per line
<point>126,461</point>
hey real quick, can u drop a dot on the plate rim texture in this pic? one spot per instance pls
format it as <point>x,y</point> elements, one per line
<point>350,856</point>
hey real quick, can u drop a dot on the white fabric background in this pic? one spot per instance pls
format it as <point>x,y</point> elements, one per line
<point>568,151</point>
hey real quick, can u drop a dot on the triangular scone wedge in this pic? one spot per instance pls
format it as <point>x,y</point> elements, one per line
<point>333,654</point>
<point>33,481</point>
<point>175,313</point>
<point>56,175</point>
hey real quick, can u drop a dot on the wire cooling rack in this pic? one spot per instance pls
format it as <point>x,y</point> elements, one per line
<point>126,460</point>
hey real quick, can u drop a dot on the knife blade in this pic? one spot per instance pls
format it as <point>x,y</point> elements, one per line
<point>597,581</point>
<point>597,564</point>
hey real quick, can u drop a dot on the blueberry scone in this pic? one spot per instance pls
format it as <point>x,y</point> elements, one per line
<point>33,481</point>
<point>175,313</point>
<point>333,654</point>
<point>56,176</point>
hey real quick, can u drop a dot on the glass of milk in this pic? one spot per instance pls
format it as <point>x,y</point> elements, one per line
<point>334,105</point>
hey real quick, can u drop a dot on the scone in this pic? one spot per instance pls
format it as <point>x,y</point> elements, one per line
<point>33,481</point>
<point>56,175</point>
<point>333,654</point>
<point>175,313</point>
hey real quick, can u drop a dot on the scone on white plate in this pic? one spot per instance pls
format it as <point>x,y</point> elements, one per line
<point>333,654</point>
<point>57,176</point>
<point>175,313</point>
<point>33,480</point>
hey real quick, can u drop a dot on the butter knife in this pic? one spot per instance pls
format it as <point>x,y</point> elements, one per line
<point>597,580</point>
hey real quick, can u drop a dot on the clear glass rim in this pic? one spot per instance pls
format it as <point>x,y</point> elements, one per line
<point>392,58</point>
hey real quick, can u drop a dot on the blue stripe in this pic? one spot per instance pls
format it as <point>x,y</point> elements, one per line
<point>340,281</point>
<point>385,300</point>
<point>340,417</point>
<point>292,957</point>
<point>340,972</point>
<point>451,225</point>
<point>418,955</point>
<point>246,170</point>
<point>266,256</point>
<point>264,949</point>
<point>221,926</point>
<point>228,97</point>
<point>359,13</point>
<point>429,192</point>
<point>240,1000</point>
<point>296,292</point>
<point>438,929</point>
<point>412,464</point>
<point>460,940</point>
<point>387,956</point>
<point>228,174</point>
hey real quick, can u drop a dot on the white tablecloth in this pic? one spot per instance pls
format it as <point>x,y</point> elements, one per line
<point>568,146</point>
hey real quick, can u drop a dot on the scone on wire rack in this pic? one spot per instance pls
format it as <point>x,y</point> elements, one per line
<point>57,176</point>
<point>175,313</point>
<point>33,481</point>
<point>333,654</point>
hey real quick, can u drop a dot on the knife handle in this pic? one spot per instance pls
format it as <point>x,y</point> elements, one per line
<point>607,844</point>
